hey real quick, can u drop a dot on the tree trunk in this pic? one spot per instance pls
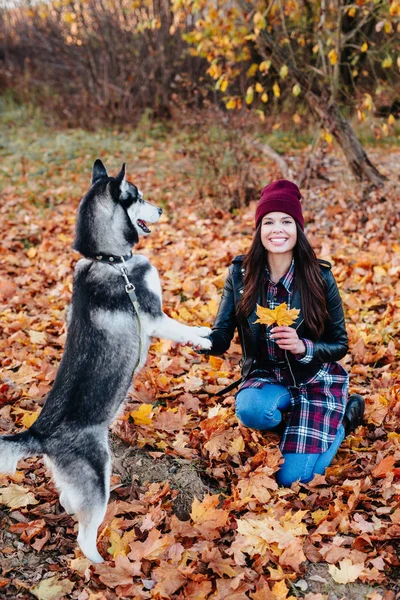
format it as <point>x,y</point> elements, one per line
<point>340,128</point>
<point>318,101</point>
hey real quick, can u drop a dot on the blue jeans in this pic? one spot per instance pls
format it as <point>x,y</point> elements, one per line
<point>261,408</point>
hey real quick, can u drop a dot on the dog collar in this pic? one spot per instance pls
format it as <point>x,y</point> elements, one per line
<point>111,259</point>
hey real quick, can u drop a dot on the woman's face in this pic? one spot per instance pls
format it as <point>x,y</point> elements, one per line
<point>278,233</point>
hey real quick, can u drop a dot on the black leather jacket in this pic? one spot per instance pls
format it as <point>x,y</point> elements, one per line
<point>330,347</point>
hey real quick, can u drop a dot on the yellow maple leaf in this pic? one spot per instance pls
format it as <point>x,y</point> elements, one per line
<point>26,417</point>
<point>319,515</point>
<point>142,414</point>
<point>119,544</point>
<point>280,590</point>
<point>280,315</point>
<point>29,418</point>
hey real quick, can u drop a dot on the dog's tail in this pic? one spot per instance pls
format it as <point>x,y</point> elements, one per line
<point>14,447</point>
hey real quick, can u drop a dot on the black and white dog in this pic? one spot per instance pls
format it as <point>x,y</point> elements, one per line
<point>109,332</point>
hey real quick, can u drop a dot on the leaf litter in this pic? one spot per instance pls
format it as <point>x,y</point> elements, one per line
<point>246,537</point>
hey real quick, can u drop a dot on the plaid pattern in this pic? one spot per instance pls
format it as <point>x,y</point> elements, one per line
<point>318,404</point>
<point>307,357</point>
<point>275,294</point>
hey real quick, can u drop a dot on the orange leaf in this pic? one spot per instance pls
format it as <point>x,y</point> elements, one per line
<point>120,574</point>
<point>169,580</point>
<point>384,467</point>
<point>207,517</point>
<point>28,531</point>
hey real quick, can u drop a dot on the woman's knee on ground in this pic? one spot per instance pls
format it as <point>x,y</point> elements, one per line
<point>297,467</point>
<point>252,410</point>
<point>285,478</point>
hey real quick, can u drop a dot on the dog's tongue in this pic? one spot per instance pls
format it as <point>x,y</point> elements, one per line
<point>143,225</point>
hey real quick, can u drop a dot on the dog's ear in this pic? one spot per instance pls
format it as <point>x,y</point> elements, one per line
<point>99,171</point>
<point>123,185</point>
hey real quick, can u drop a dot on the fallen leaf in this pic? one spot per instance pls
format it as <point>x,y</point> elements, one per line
<point>16,496</point>
<point>169,580</point>
<point>293,556</point>
<point>119,543</point>
<point>52,588</point>
<point>37,337</point>
<point>27,531</point>
<point>119,574</point>
<point>347,571</point>
<point>207,517</point>
<point>280,590</point>
<point>152,548</point>
<point>384,467</point>
<point>262,591</point>
<point>198,590</point>
<point>141,416</point>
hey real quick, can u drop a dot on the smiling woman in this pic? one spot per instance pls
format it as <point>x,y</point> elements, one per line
<point>291,380</point>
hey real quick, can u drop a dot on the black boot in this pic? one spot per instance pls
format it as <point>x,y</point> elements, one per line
<point>353,415</point>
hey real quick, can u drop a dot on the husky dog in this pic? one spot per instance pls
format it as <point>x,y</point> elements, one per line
<point>108,337</point>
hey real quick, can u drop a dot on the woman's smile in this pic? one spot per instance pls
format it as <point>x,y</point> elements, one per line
<point>278,240</point>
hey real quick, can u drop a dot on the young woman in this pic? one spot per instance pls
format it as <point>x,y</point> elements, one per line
<point>289,371</point>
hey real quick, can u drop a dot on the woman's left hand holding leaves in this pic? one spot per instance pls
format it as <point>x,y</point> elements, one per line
<point>287,339</point>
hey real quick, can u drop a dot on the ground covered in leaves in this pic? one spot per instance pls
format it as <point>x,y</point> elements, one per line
<point>162,537</point>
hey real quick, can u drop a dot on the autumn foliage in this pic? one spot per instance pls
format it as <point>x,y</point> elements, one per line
<point>87,61</point>
<point>246,538</point>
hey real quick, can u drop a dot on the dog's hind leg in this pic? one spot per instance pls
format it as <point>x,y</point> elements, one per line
<point>84,483</point>
<point>90,519</point>
<point>92,512</point>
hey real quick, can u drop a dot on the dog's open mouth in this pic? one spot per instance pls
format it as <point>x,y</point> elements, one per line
<point>143,226</point>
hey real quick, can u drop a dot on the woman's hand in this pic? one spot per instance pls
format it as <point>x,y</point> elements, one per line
<point>176,344</point>
<point>287,339</point>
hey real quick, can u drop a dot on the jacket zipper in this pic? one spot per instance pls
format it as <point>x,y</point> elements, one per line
<point>288,362</point>
<point>244,350</point>
<point>243,335</point>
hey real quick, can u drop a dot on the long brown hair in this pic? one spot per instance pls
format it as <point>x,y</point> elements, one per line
<point>308,281</point>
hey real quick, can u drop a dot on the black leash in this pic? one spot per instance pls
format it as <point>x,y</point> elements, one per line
<point>229,387</point>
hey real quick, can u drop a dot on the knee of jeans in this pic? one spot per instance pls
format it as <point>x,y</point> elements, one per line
<point>247,416</point>
<point>253,414</point>
<point>302,469</point>
<point>285,478</point>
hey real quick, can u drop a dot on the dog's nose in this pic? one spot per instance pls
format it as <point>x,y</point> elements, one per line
<point>159,211</point>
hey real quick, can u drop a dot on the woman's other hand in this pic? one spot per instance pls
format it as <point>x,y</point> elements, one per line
<point>176,344</point>
<point>287,339</point>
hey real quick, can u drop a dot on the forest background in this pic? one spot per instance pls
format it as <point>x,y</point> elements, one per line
<point>207,102</point>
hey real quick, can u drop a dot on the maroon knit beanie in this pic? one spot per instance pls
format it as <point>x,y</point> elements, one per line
<point>280,196</point>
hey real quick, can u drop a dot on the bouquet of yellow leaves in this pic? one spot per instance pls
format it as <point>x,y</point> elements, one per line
<point>280,315</point>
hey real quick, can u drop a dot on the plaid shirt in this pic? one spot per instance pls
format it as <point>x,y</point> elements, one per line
<point>318,404</point>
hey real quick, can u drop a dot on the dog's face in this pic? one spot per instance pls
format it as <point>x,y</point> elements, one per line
<point>112,215</point>
<point>127,195</point>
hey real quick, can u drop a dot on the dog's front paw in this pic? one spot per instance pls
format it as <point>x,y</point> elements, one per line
<point>203,331</point>
<point>204,343</point>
